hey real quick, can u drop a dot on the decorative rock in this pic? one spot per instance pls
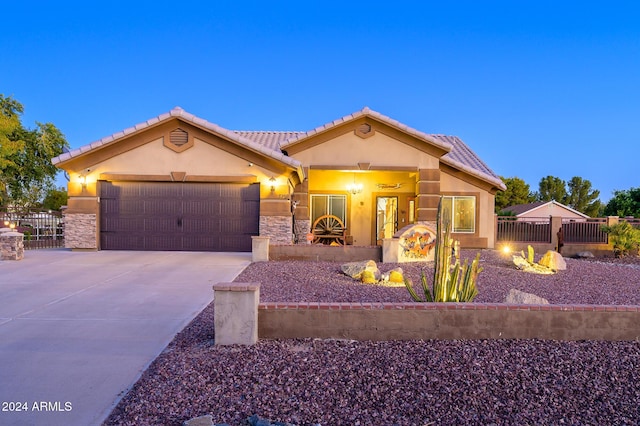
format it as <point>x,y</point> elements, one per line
<point>200,421</point>
<point>355,269</point>
<point>554,261</point>
<point>534,268</point>
<point>521,298</point>
<point>584,255</point>
<point>396,275</point>
<point>368,277</point>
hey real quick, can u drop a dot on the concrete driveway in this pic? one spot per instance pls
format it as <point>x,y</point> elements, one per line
<point>77,329</point>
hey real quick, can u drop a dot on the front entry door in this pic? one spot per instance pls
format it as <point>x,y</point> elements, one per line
<point>386,217</point>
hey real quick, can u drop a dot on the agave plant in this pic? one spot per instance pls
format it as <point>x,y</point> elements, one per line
<point>451,282</point>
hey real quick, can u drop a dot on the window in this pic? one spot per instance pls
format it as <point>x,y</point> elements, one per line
<point>322,204</point>
<point>461,212</point>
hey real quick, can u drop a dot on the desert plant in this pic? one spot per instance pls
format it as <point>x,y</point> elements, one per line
<point>451,282</point>
<point>624,237</point>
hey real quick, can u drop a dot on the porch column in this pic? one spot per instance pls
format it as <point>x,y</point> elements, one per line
<point>301,219</point>
<point>276,220</point>
<point>427,195</point>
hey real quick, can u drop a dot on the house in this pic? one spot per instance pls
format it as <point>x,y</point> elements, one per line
<point>545,209</point>
<point>178,182</point>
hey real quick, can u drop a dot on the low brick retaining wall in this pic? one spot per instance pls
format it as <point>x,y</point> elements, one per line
<point>324,253</point>
<point>447,321</point>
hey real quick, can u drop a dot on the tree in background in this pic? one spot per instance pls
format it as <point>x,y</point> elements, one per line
<point>552,188</point>
<point>624,203</point>
<point>55,198</point>
<point>582,198</point>
<point>26,171</point>
<point>518,192</point>
<point>577,194</point>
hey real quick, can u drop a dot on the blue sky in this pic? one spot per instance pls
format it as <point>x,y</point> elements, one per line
<point>536,88</point>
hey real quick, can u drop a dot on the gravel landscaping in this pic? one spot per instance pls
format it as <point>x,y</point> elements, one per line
<point>339,382</point>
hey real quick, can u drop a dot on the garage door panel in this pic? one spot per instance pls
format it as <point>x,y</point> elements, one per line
<point>131,242</point>
<point>205,208</point>
<point>130,225</point>
<point>194,226</point>
<point>163,242</point>
<point>201,242</point>
<point>232,243</point>
<point>179,216</point>
<point>159,190</point>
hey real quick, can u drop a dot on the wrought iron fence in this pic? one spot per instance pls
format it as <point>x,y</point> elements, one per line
<point>633,221</point>
<point>530,230</point>
<point>585,232</point>
<point>41,229</point>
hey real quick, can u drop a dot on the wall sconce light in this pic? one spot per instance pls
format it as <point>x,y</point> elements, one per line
<point>272,182</point>
<point>12,226</point>
<point>354,188</point>
<point>83,180</point>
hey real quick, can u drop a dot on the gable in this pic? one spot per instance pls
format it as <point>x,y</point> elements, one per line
<point>344,149</point>
<point>176,141</point>
<point>364,132</point>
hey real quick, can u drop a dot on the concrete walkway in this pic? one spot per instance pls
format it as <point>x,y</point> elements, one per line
<point>77,329</point>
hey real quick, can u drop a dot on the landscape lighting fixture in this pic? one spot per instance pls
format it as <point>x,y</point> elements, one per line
<point>354,188</point>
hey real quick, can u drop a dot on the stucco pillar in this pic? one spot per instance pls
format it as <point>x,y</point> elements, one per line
<point>236,313</point>
<point>12,246</point>
<point>427,194</point>
<point>81,223</point>
<point>301,218</point>
<point>260,249</point>
<point>390,250</point>
<point>276,220</point>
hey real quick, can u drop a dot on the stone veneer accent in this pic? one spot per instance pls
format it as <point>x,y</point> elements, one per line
<point>80,231</point>
<point>415,321</point>
<point>278,228</point>
<point>12,246</point>
<point>302,228</point>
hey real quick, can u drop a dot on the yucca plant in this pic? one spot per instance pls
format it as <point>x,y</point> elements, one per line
<point>451,282</point>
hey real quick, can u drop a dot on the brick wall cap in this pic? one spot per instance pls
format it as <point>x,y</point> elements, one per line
<point>11,234</point>
<point>236,286</point>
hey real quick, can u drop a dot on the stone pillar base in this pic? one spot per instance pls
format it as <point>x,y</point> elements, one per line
<point>236,313</point>
<point>12,246</point>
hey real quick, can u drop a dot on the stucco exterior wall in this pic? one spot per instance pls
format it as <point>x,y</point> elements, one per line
<point>361,207</point>
<point>379,150</point>
<point>485,222</point>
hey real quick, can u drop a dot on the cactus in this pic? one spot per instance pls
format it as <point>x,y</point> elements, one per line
<point>451,283</point>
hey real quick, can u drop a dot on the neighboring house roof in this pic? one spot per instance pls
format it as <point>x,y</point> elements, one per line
<point>272,143</point>
<point>531,208</point>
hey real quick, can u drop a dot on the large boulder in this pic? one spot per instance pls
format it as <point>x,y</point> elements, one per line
<point>533,268</point>
<point>355,269</point>
<point>554,261</point>
<point>584,255</point>
<point>521,298</point>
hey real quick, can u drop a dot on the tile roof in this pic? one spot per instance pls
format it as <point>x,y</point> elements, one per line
<point>271,143</point>
<point>185,116</point>
<point>460,156</point>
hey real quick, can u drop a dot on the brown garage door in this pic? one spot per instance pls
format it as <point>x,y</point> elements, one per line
<point>178,216</point>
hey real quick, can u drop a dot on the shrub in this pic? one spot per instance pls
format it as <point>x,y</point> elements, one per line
<point>624,237</point>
